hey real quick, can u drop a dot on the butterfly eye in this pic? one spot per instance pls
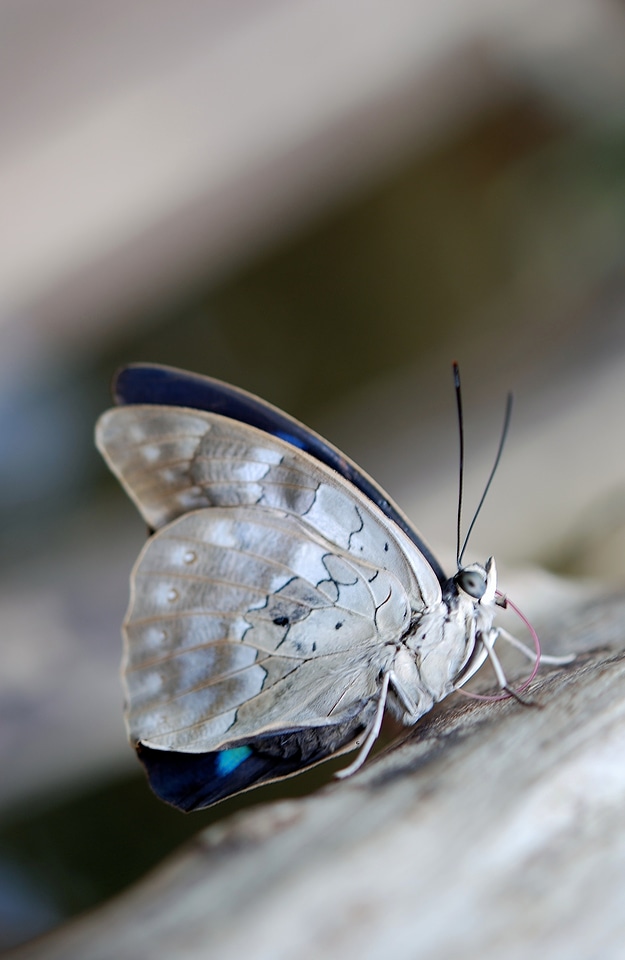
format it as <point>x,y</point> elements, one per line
<point>472,582</point>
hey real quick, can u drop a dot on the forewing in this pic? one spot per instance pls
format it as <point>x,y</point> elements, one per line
<point>172,460</point>
<point>149,383</point>
<point>245,621</point>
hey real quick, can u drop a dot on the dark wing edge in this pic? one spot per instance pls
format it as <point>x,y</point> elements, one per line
<point>148,383</point>
<point>195,781</point>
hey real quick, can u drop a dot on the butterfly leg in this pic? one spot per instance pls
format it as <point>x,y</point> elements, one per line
<point>531,654</point>
<point>402,694</point>
<point>372,735</point>
<point>488,639</point>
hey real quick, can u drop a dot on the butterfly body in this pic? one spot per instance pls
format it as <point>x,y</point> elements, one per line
<point>282,602</point>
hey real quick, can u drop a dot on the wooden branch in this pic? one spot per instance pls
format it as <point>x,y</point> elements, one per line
<point>490,830</point>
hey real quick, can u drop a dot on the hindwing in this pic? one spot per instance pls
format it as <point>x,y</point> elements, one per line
<point>242,622</point>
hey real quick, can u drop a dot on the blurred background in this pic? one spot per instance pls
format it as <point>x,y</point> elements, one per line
<point>324,202</point>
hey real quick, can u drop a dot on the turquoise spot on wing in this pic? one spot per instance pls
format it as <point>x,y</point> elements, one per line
<point>228,760</point>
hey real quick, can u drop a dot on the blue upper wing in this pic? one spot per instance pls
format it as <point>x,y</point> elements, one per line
<point>155,384</point>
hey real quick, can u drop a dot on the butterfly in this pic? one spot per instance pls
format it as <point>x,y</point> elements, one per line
<point>282,603</point>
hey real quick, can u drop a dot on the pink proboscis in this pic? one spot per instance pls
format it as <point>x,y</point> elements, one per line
<point>505,602</point>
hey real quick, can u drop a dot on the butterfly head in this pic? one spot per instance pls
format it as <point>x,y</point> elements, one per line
<point>478,583</point>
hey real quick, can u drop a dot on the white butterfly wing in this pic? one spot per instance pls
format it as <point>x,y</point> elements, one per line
<point>277,607</point>
<point>171,460</point>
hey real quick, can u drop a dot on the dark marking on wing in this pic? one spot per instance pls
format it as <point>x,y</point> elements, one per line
<point>358,530</point>
<point>333,579</point>
<point>380,605</point>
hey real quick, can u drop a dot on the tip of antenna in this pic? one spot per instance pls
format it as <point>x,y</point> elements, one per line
<point>456,370</point>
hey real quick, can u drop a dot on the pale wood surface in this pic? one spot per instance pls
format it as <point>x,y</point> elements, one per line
<point>491,830</point>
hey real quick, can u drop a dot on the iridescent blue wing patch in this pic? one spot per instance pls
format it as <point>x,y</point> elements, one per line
<point>193,781</point>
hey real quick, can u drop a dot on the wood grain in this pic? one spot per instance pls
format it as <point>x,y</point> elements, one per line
<point>490,829</point>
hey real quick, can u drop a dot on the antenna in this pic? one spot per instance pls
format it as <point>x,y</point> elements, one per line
<point>456,370</point>
<point>502,440</point>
